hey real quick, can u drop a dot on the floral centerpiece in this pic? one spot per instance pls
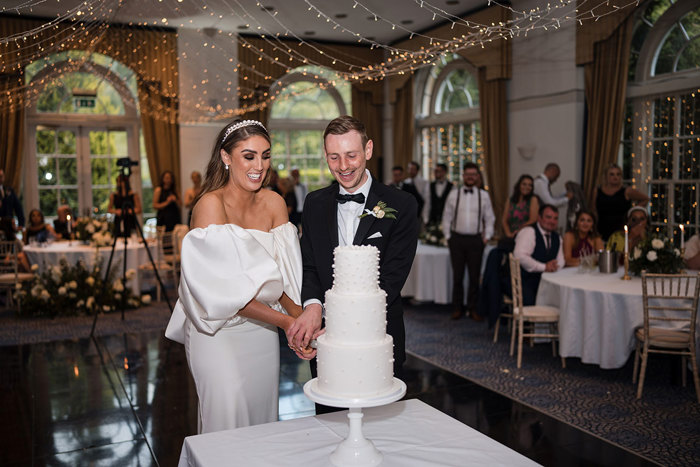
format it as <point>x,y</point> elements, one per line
<point>65,290</point>
<point>433,235</point>
<point>656,255</point>
<point>95,231</point>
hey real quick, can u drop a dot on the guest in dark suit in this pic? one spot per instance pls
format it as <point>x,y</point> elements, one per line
<point>331,218</point>
<point>9,203</point>
<point>539,249</point>
<point>397,181</point>
<point>439,190</point>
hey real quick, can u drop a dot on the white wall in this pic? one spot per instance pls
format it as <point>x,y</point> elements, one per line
<point>546,103</point>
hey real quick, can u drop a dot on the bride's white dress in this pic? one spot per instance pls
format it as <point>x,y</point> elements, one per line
<point>234,360</point>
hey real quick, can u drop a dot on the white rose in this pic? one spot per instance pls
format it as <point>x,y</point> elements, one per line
<point>35,267</point>
<point>90,281</point>
<point>45,295</point>
<point>637,253</point>
<point>90,302</point>
<point>105,307</point>
<point>80,303</point>
<point>62,291</point>
<point>90,228</point>
<point>145,299</point>
<point>36,290</point>
<point>96,223</point>
<point>657,244</point>
<point>72,285</point>
<point>651,255</point>
<point>380,214</point>
<point>376,209</point>
<point>117,296</point>
<point>676,252</point>
<point>118,286</point>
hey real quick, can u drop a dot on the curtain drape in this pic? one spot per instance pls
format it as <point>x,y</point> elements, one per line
<point>367,104</point>
<point>494,137</point>
<point>11,129</point>
<point>605,84</point>
<point>404,124</point>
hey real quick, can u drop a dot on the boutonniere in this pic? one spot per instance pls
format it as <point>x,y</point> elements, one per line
<point>380,211</point>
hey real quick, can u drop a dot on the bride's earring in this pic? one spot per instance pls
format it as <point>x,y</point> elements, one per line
<point>226,166</point>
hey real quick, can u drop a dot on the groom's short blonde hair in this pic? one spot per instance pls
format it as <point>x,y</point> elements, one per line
<point>345,124</point>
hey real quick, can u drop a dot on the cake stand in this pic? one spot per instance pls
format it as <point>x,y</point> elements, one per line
<point>355,450</point>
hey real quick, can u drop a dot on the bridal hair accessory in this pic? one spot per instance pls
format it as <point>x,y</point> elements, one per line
<point>242,124</point>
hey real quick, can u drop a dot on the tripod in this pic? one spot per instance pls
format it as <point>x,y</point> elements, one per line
<point>127,218</point>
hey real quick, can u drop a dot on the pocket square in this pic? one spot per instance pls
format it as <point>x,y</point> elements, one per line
<point>375,235</point>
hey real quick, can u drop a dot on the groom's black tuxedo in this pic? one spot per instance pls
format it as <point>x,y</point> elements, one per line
<point>396,240</point>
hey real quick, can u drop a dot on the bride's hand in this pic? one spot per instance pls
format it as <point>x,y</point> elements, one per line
<point>305,326</point>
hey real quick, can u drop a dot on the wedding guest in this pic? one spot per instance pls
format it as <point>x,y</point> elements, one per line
<point>273,182</point>
<point>397,181</point>
<point>582,240</point>
<point>468,223</point>
<point>521,208</point>
<point>539,249</point>
<point>613,200</point>
<point>167,202</point>
<point>439,190</point>
<point>9,203</point>
<point>192,193</point>
<point>120,202</point>
<point>37,228</point>
<point>577,202</point>
<point>421,184</point>
<point>543,186</point>
<point>60,224</point>
<point>285,186</point>
<point>637,224</point>
<point>300,192</point>
<point>241,265</point>
<point>692,252</point>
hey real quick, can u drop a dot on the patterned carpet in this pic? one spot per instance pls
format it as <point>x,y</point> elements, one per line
<point>664,426</point>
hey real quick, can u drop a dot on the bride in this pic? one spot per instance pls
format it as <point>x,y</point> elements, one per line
<point>241,269</point>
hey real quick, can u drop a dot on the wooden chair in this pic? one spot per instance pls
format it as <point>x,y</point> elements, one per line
<point>163,262</point>
<point>530,315</point>
<point>10,276</point>
<point>668,298</point>
<point>507,301</point>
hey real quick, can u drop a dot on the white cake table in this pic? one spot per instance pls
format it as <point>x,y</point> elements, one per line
<point>409,433</point>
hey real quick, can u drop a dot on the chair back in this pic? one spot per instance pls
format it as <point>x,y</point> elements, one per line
<point>8,257</point>
<point>179,233</point>
<point>516,283</point>
<point>671,298</point>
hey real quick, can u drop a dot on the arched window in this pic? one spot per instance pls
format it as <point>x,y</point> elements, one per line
<point>83,118</point>
<point>448,116</point>
<point>660,143</point>
<point>306,99</point>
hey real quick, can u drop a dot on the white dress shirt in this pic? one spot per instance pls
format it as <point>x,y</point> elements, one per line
<point>300,192</point>
<point>544,192</point>
<point>525,246</point>
<point>423,188</point>
<point>467,222</point>
<point>348,219</point>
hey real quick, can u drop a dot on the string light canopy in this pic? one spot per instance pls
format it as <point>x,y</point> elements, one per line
<point>84,24</point>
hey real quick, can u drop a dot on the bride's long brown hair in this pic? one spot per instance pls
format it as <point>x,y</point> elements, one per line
<point>216,175</point>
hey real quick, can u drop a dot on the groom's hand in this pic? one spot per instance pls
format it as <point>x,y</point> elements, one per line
<point>305,326</point>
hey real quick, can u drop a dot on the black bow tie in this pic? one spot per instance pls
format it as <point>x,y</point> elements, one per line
<point>357,198</point>
<point>468,190</point>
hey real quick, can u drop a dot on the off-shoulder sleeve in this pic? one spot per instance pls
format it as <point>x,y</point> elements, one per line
<point>288,257</point>
<point>222,269</point>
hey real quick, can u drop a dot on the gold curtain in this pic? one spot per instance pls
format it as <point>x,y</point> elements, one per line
<point>588,33</point>
<point>605,84</point>
<point>494,137</point>
<point>404,124</point>
<point>151,54</point>
<point>12,129</point>
<point>367,105</point>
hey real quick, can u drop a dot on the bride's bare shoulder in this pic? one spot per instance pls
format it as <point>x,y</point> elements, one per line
<point>209,210</point>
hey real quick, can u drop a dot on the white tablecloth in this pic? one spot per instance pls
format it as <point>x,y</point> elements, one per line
<point>49,255</point>
<point>408,433</point>
<point>430,279</point>
<point>598,314</point>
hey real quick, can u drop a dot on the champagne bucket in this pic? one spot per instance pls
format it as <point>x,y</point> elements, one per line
<point>607,261</point>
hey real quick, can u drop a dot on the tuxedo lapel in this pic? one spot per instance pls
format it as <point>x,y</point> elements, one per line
<point>331,210</point>
<point>367,221</point>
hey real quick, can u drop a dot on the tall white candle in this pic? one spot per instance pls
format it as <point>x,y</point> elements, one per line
<point>682,235</point>
<point>626,240</point>
<point>68,222</point>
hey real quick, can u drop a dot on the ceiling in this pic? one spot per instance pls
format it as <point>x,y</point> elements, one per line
<point>323,20</point>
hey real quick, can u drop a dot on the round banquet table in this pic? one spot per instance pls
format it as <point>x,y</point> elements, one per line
<point>598,314</point>
<point>48,255</point>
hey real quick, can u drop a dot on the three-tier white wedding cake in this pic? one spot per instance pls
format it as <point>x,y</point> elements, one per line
<point>355,355</point>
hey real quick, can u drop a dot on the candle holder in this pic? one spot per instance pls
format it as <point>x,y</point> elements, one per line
<point>626,276</point>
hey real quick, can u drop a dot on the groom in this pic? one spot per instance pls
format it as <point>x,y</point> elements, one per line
<point>331,218</point>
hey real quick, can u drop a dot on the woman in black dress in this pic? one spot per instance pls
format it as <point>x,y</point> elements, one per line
<point>124,198</point>
<point>167,202</point>
<point>613,200</point>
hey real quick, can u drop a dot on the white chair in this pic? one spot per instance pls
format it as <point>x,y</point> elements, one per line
<point>163,262</point>
<point>668,298</point>
<point>530,314</point>
<point>179,233</point>
<point>9,272</point>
